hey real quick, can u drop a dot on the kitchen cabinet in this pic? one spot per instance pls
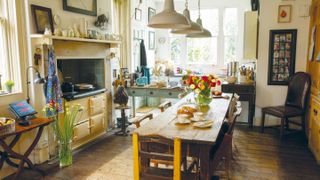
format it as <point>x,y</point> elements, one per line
<point>313,68</point>
<point>93,121</point>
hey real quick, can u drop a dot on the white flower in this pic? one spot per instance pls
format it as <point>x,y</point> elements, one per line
<point>197,91</point>
<point>192,86</point>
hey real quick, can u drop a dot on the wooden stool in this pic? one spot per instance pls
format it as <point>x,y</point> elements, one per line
<point>123,131</point>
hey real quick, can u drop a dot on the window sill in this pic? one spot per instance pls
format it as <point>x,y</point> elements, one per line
<point>4,94</point>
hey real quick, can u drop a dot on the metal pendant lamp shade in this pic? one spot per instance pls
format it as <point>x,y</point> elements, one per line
<point>169,18</point>
<point>204,34</point>
<point>195,27</point>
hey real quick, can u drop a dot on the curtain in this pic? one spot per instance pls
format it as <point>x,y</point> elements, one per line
<point>123,27</point>
<point>3,44</point>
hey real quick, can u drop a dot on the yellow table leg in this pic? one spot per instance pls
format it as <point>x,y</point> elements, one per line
<point>135,156</point>
<point>177,159</point>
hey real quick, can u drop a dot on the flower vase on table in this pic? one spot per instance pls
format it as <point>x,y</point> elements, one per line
<point>202,86</point>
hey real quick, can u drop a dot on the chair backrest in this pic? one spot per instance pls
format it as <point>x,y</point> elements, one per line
<point>233,107</point>
<point>298,90</point>
<point>146,148</point>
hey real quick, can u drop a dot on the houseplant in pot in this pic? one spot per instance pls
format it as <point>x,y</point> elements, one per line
<point>9,84</point>
<point>63,127</point>
<point>202,86</point>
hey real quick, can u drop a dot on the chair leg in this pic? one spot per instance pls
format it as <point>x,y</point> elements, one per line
<point>262,122</point>
<point>282,127</point>
<point>287,124</point>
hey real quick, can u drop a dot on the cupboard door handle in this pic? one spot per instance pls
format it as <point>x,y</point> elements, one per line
<point>170,93</point>
<point>151,92</point>
<point>133,92</point>
<point>75,138</point>
<point>315,112</point>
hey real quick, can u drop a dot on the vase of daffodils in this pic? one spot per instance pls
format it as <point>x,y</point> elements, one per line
<point>202,86</point>
<point>63,128</point>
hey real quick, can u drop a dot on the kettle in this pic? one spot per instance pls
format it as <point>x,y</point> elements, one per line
<point>67,87</point>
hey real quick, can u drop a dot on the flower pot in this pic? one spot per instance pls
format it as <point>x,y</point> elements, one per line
<point>202,100</point>
<point>9,89</point>
<point>65,153</point>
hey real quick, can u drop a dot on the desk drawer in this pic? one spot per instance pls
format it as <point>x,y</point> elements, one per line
<point>168,94</point>
<point>136,92</point>
<point>237,88</point>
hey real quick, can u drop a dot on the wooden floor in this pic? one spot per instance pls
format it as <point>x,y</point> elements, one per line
<point>259,156</point>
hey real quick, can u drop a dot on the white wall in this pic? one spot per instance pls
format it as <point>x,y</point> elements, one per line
<point>275,95</point>
<point>141,25</point>
<point>69,18</point>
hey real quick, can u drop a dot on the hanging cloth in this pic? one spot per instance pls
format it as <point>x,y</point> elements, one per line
<point>54,93</point>
<point>143,54</point>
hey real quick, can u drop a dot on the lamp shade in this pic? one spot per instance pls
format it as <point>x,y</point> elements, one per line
<point>169,18</point>
<point>204,34</point>
<point>194,28</point>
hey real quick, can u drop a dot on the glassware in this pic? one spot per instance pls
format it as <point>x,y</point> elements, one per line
<point>65,153</point>
<point>202,100</point>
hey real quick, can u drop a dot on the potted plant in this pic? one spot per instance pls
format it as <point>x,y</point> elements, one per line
<point>9,84</point>
<point>63,127</point>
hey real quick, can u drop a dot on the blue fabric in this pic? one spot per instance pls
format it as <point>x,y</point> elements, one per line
<point>54,93</point>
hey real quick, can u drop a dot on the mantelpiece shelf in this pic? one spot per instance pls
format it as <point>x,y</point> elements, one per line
<point>74,39</point>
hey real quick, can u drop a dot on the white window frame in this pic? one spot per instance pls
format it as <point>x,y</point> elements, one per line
<point>221,62</point>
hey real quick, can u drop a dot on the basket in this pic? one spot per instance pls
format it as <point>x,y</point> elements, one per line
<point>8,128</point>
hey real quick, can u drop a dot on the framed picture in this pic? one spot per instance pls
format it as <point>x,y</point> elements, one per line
<point>137,14</point>
<point>151,12</point>
<point>282,52</point>
<point>42,17</point>
<point>88,7</point>
<point>152,39</point>
<point>284,13</point>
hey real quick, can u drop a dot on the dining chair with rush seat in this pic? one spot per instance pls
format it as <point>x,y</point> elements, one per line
<point>295,104</point>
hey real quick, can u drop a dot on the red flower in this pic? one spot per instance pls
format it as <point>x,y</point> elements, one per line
<point>205,78</point>
<point>218,83</point>
<point>213,84</point>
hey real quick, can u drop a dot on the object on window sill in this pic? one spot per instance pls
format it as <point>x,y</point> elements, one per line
<point>9,84</point>
<point>36,57</point>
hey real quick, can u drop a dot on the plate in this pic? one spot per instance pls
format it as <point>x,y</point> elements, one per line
<point>195,120</point>
<point>203,124</point>
<point>186,121</point>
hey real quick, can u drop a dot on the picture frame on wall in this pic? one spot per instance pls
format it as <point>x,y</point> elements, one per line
<point>87,7</point>
<point>151,12</point>
<point>137,14</point>
<point>152,39</point>
<point>284,13</point>
<point>42,17</point>
<point>282,52</point>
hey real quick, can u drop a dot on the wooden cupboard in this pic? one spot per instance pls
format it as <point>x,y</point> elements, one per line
<point>93,121</point>
<point>313,67</point>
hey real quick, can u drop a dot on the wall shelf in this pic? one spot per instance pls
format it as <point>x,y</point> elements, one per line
<point>42,36</point>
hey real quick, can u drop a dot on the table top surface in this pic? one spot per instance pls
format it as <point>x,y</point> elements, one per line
<point>178,88</point>
<point>165,124</point>
<point>35,123</point>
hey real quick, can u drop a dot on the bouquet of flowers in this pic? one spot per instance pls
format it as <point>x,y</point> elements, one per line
<point>203,87</point>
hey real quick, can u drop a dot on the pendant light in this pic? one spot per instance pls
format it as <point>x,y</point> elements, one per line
<point>194,28</point>
<point>169,18</point>
<point>205,33</point>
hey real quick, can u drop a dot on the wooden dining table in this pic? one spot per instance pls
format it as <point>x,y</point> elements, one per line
<point>196,142</point>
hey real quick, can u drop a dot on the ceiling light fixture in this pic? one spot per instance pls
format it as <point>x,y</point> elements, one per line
<point>169,18</point>
<point>194,28</point>
<point>205,33</point>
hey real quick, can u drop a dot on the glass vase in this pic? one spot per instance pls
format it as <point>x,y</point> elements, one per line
<point>65,153</point>
<point>202,100</point>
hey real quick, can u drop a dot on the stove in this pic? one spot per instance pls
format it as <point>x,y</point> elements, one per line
<point>69,96</point>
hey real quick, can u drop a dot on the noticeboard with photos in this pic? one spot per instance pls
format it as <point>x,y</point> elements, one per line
<point>282,52</point>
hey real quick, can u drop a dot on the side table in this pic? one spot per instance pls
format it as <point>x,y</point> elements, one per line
<point>8,152</point>
<point>123,131</point>
<point>247,92</point>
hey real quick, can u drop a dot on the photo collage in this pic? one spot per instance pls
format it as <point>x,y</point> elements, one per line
<point>281,61</point>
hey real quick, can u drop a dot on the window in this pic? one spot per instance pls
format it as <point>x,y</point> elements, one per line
<point>9,46</point>
<point>225,45</point>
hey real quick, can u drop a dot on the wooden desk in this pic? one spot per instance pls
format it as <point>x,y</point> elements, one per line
<point>8,149</point>
<point>172,92</point>
<point>195,142</point>
<point>247,92</point>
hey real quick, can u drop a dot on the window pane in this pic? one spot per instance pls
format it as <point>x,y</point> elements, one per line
<point>229,48</point>
<point>202,50</point>
<point>175,46</point>
<point>210,19</point>
<point>230,21</point>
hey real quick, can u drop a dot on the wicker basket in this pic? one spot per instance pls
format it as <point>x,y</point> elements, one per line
<point>8,128</point>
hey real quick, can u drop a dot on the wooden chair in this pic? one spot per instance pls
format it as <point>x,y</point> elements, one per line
<point>146,148</point>
<point>295,104</point>
<point>222,149</point>
<point>165,105</point>
<point>138,119</point>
